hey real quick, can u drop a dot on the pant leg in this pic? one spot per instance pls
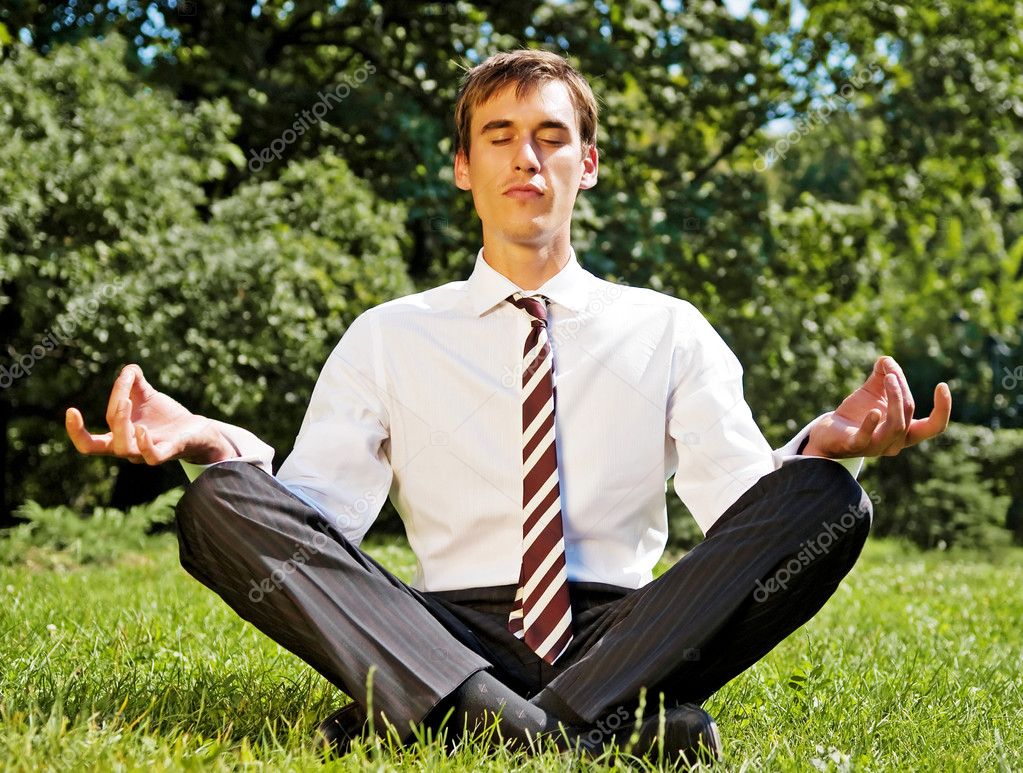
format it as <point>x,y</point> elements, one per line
<point>793,593</point>
<point>663,635</point>
<point>281,566</point>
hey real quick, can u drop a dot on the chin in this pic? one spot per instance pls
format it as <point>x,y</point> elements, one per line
<point>530,237</point>
<point>528,231</point>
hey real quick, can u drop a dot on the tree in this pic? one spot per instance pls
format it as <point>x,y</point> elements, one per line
<point>821,190</point>
<point>106,259</point>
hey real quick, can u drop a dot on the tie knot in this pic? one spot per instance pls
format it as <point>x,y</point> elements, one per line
<point>536,305</point>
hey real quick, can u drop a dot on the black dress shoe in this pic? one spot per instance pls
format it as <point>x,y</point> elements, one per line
<point>342,727</point>
<point>690,735</point>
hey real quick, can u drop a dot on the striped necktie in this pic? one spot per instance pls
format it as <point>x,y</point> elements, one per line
<point>542,613</point>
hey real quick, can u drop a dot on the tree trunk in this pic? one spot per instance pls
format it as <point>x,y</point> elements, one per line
<point>6,506</point>
<point>139,483</point>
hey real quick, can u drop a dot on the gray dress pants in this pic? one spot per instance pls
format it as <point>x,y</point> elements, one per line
<point>765,568</point>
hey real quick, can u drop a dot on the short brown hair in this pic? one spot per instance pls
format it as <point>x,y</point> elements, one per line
<point>527,69</point>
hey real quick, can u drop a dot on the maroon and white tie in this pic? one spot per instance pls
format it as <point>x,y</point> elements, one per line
<point>542,613</point>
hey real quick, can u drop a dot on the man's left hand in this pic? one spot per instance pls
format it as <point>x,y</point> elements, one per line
<point>877,419</point>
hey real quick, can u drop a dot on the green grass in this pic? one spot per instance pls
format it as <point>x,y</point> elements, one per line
<point>130,664</point>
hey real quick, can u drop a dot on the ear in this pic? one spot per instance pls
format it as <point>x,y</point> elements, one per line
<point>462,171</point>
<point>590,164</point>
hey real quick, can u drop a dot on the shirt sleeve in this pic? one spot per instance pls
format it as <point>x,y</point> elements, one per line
<point>340,463</point>
<point>249,447</point>
<point>721,450</point>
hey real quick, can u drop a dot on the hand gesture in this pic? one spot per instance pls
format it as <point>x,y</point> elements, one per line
<point>877,419</point>
<point>147,426</point>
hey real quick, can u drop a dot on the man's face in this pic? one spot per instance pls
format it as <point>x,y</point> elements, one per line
<point>526,164</point>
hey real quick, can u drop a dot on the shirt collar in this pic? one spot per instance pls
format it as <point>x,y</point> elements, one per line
<point>487,287</point>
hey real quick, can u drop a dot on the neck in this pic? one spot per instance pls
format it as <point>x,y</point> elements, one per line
<point>526,265</point>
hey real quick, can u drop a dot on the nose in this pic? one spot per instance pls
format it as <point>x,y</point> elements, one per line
<point>526,159</point>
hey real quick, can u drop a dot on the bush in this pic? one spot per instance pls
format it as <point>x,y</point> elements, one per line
<point>60,536</point>
<point>962,488</point>
<point>1004,466</point>
<point>683,531</point>
<point>112,252</point>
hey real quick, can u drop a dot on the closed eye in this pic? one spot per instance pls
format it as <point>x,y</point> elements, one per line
<point>505,141</point>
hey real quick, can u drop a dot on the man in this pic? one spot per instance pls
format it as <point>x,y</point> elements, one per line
<point>524,423</point>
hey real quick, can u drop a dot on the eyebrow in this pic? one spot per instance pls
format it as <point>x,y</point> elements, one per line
<point>504,123</point>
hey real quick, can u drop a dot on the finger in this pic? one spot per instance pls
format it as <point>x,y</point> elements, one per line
<point>124,432</point>
<point>891,433</point>
<point>141,390</point>
<point>82,440</point>
<point>909,405</point>
<point>121,391</point>
<point>875,381</point>
<point>935,424</point>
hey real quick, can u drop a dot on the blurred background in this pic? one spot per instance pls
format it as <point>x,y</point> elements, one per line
<point>215,189</point>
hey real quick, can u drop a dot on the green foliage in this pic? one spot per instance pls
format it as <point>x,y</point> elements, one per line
<point>889,220</point>
<point>955,506</point>
<point>242,311</point>
<point>683,531</point>
<point>1003,464</point>
<point>930,149</point>
<point>960,489</point>
<point>110,252</point>
<point>61,537</point>
<point>93,162</point>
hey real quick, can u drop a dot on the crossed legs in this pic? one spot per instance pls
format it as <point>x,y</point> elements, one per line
<point>765,568</point>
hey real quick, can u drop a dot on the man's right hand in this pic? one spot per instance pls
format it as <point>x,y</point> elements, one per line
<point>148,427</point>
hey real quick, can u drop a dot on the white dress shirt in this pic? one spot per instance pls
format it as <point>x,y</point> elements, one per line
<point>420,400</point>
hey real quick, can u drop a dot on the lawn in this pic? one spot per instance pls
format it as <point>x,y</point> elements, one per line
<point>130,664</point>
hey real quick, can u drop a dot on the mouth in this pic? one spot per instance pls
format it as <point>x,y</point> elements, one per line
<point>524,192</point>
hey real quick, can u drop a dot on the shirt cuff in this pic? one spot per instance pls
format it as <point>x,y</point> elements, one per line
<point>790,452</point>
<point>249,447</point>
